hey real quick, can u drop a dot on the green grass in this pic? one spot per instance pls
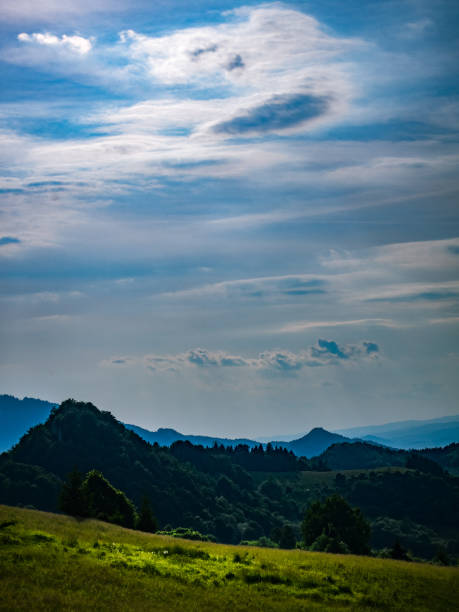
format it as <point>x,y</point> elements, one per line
<point>54,562</point>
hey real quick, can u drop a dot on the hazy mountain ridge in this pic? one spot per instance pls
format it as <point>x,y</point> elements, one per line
<point>17,416</point>
<point>167,436</point>
<point>410,434</point>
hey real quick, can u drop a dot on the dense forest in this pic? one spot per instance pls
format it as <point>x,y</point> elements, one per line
<point>241,493</point>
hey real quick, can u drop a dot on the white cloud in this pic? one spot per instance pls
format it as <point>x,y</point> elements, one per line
<point>75,44</point>
<point>324,353</point>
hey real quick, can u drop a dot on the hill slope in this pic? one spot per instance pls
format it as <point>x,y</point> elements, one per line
<point>105,567</point>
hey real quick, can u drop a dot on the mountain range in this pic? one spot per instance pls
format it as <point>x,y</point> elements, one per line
<point>17,416</point>
<point>410,434</point>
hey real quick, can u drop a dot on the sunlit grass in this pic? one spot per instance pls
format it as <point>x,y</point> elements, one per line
<point>54,562</point>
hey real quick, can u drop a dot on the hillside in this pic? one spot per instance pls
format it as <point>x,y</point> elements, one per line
<point>106,567</point>
<point>365,455</point>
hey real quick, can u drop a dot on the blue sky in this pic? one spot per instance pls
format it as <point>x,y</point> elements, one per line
<point>231,218</point>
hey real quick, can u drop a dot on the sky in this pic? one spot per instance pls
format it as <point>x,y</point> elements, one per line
<point>231,218</point>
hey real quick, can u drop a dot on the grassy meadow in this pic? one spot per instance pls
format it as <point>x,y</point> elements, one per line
<point>55,562</point>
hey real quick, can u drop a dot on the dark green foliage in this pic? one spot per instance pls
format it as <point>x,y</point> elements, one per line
<point>284,536</point>
<point>441,556</point>
<point>187,533</point>
<point>271,488</point>
<point>146,520</point>
<point>287,537</point>
<point>447,457</point>
<point>22,484</point>
<point>424,498</point>
<point>416,461</point>
<point>398,552</point>
<point>330,544</point>
<point>361,455</point>
<point>106,503</point>
<point>72,500</point>
<point>336,520</point>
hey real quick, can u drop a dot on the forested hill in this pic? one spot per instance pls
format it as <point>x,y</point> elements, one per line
<point>209,490</point>
<point>364,456</point>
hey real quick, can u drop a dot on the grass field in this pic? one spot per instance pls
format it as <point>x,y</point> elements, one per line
<point>54,562</point>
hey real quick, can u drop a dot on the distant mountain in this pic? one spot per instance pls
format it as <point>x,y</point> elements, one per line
<point>310,445</point>
<point>410,434</point>
<point>17,416</point>
<point>166,437</point>
<point>313,443</point>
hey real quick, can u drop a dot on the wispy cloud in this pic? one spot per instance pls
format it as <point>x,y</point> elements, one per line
<point>305,325</point>
<point>270,286</point>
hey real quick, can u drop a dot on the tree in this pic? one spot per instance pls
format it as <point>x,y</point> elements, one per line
<point>338,525</point>
<point>287,537</point>
<point>107,503</point>
<point>72,500</point>
<point>146,520</point>
<point>398,552</point>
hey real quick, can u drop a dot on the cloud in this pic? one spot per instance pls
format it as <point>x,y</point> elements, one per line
<point>411,292</point>
<point>277,113</point>
<point>324,353</point>
<point>75,44</point>
<point>262,48</point>
<point>235,62</point>
<point>305,325</point>
<point>4,240</point>
<point>270,287</point>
